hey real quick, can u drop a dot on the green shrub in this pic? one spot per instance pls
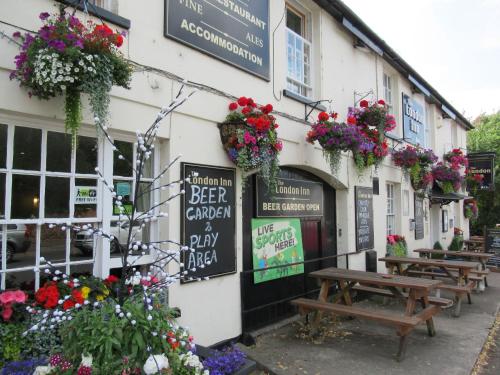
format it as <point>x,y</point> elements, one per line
<point>456,244</point>
<point>437,246</point>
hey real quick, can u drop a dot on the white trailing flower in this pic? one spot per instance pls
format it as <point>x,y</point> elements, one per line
<point>86,361</point>
<point>43,370</point>
<point>155,363</point>
<point>193,361</point>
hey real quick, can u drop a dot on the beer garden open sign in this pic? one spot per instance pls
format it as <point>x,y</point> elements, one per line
<point>236,32</point>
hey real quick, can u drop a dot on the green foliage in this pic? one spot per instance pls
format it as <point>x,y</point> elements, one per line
<point>12,342</point>
<point>486,137</point>
<point>437,246</point>
<point>399,249</point>
<point>456,244</point>
<point>73,109</point>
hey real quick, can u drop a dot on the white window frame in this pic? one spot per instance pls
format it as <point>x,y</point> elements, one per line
<point>388,83</point>
<point>292,81</point>
<point>390,209</point>
<point>101,259</point>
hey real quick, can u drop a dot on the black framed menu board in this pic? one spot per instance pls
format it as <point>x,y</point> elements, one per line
<point>364,218</point>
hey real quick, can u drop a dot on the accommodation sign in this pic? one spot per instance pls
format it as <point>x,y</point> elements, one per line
<point>208,221</point>
<point>235,31</point>
<point>419,217</point>
<point>290,198</point>
<point>483,163</point>
<point>413,121</point>
<point>364,218</point>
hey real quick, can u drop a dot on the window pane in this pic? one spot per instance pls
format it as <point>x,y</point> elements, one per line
<point>27,148</point>
<point>294,21</point>
<point>2,195</point>
<point>82,245</point>
<point>57,197</point>
<point>20,245</point>
<point>81,270</point>
<point>85,209</point>
<point>53,244</point>
<point>123,167</point>
<point>148,170</point>
<point>21,280</point>
<point>144,197</point>
<point>3,146</point>
<point>58,152</point>
<point>123,189</point>
<point>25,197</point>
<point>86,155</point>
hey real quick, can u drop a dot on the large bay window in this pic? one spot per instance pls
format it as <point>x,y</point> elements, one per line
<point>298,53</point>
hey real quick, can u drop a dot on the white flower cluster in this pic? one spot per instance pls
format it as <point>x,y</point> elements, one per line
<point>155,363</point>
<point>53,74</point>
<point>193,362</point>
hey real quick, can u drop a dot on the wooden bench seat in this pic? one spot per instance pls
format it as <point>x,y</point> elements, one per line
<point>442,302</point>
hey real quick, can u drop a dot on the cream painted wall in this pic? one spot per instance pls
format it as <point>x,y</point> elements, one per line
<point>212,309</point>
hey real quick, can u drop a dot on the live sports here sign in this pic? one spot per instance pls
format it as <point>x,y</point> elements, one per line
<point>235,31</point>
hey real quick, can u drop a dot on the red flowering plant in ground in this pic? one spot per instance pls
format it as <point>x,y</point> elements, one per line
<point>373,121</point>
<point>471,211</point>
<point>250,138</point>
<point>9,300</point>
<point>396,245</point>
<point>416,162</point>
<point>448,179</point>
<point>456,159</point>
<point>67,57</point>
<point>334,137</point>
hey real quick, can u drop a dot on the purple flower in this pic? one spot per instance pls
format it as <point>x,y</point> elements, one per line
<point>45,32</point>
<point>74,21</point>
<point>58,45</point>
<point>78,43</point>
<point>17,34</point>
<point>43,16</point>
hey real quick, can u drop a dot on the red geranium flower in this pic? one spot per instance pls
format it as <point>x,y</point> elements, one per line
<point>68,304</point>
<point>111,279</point>
<point>242,101</point>
<point>323,116</point>
<point>381,102</point>
<point>351,120</point>
<point>119,40</point>
<point>77,296</point>
<point>233,106</point>
<point>363,104</point>
<point>246,110</point>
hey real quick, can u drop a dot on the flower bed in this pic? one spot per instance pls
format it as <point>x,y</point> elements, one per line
<point>67,57</point>
<point>396,245</point>
<point>250,138</point>
<point>417,163</point>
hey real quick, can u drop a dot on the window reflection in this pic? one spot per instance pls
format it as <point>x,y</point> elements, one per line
<point>2,195</point>
<point>3,146</point>
<point>20,245</point>
<point>53,244</point>
<point>86,155</point>
<point>82,245</point>
<point>57,197</point>
<point>24,280</point>
<point>123,167</point>
<point>25,197</point>
<point>58,152</point>
<point>27,148</point>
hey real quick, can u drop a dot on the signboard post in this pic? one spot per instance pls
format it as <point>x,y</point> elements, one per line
<point>419,217</point>
<point>236,32</point>
<point>483,163</point>
<point>413,121</point>
<point>208,221</point>
<point>292,198</point>
<point>364,218</point>
<point>276,242</point>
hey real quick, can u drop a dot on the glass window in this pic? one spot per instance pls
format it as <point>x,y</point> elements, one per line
<point>25,200</point>
<point>295,22</point>
<point>388,93</point>
<point>27,148</point>
<point>58,152</point>
<point>24,280</point>
<point>57,197</point>
<point>298,55</point>
<point>391,219</point>
<point>53,244</point>
<point>20,245</point>
<point>123,167</point>
<point>2,195</point>
<point>3,146</point>
<point>86,155</point>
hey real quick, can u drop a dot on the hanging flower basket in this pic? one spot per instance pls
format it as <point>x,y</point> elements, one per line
<point>67,57</point>
<point>334,138</point>
<point>448,179</point>
<point>250,139</point>
<point>456,159</point>
<point>471,211</point>
<point>416,163</point>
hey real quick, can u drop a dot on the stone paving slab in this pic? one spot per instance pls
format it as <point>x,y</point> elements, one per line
<point>363,347</point>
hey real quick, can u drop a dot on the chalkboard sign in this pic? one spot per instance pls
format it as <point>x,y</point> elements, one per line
<point>419,217</point>
<point>364,218</point>
<point>236,32</point>
<point>493,241</point>
<point>208,221</point>
<point>290,198</point>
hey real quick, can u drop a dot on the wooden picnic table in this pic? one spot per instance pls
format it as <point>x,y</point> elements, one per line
<point>481,257</point>
<point>475,244</point>
<point>421,267</point>
<point>347,280</point>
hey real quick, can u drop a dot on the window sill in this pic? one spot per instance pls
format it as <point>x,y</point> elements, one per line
<point>302,99</point>
<point>100,12</point>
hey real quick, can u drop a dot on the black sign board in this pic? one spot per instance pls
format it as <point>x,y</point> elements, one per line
<point>483,163</point>
<point>419,217</point>
<point>493,241</point>
<point>291,198</point>
<point>208,220</point>
<point>235,31</point>
<point>364,218</point>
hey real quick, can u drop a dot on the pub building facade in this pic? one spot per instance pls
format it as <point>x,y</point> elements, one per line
<point>297,55</point>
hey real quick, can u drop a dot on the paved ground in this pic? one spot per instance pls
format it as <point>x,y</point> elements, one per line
<point>361,347</point>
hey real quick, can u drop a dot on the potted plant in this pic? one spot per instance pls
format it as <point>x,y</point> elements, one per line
<point>373,121</point>
<point>334,137</point>
<point>448,179</point>
<point>416,163</point>
<point>67,57</point>
<point>249,136</point>
<point>396,245</point>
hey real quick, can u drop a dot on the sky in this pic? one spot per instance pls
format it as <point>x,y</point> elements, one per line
<point>453,44</point>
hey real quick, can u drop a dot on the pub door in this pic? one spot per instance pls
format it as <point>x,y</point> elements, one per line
<point>267,302</point>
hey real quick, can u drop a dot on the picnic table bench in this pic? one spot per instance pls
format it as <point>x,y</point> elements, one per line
<point>475,243</point>
<point>347,280</point>
<point>438,268</point>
